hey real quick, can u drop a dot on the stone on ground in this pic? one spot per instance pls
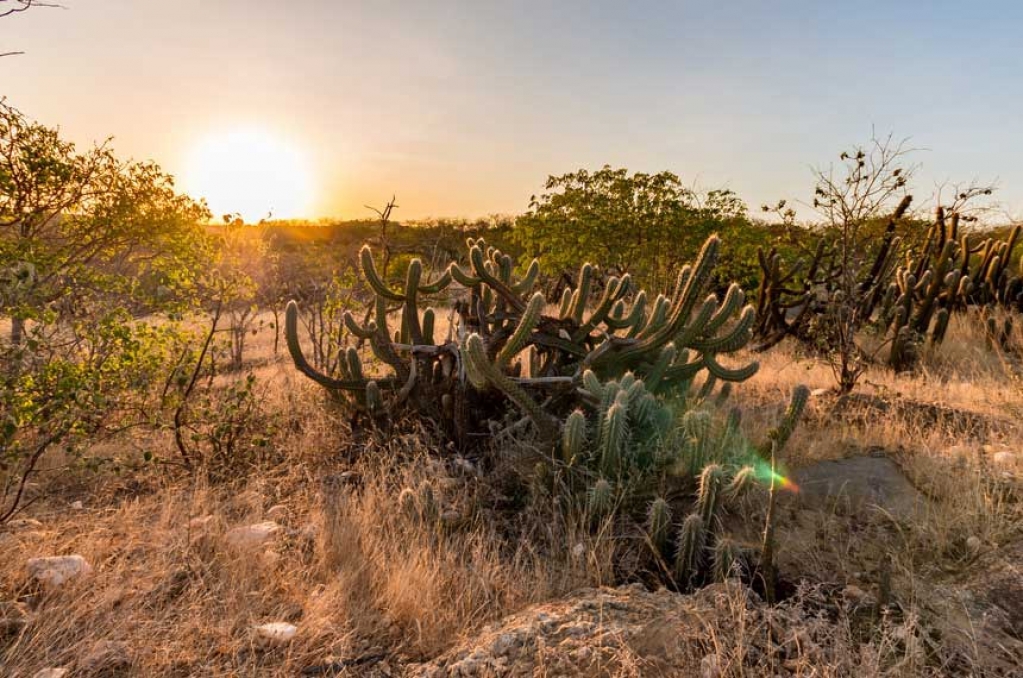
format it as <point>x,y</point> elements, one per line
<point>55,570</point>
<point>252,536</point>
<point>276,633</point>
<point>51,673</point>
<point>859,484</point>
<point>107,657</point>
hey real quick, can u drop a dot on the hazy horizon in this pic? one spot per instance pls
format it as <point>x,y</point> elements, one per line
<point>463,109</point>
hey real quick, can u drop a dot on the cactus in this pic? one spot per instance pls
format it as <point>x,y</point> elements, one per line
<point>659,525</point>
<point>667,344</point>
<point>600,500</point>
<point>573,437</point>
<point>909,304</point>
<point>692,542</point>
<point>726,556</point>
<point>709,495</point>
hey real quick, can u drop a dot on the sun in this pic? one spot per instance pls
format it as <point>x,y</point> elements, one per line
<point>251,172</point>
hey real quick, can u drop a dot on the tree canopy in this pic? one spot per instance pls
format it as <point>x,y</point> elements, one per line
<point>643,224</point>
<point>77,224</point>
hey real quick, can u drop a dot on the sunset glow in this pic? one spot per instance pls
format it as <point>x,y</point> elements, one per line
<point>252,172</point>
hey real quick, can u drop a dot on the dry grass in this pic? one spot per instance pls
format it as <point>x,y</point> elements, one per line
<point>360,577</point>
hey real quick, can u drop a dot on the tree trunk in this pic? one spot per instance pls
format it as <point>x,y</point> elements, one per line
<point>17,331</point>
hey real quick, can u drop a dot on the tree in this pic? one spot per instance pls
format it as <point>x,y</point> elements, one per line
<point>642,224</point>
<point>79,227</point>
<point>10,7</point>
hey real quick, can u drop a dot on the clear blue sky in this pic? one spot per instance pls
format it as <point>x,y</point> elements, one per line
<point>464,108</point>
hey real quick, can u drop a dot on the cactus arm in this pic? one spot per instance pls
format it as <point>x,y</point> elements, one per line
<point>482,372</point>
<point>353,326</point>
<point>725,374</point>
<point>615,290</point>
<point>373,278</point>
<point>732,341</point>
<point>429,320</point>
<point>438,285</point>
<point>528,281</point>
<point>464,279</point>
<point>526,325</point>
<point>573,437</point>
<point>682,372</point>
<point>303,366</point>
<point>410,313</point>
<point>505,292</point>
<point>582,293</point>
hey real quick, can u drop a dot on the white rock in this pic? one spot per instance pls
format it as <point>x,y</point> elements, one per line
<point>277,513</point>
<point>51,673</point>
<point>276,633</point>
<point>579,550</point>
<point>973,543</point>
<point>77,505</point>
<point>1004,458</point>
<point>55,570</point>
<point>24,523</point>
<point>252,536</point>
<point>817,393</point>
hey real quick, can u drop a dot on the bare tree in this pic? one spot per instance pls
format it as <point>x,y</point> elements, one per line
<point>9,7</point>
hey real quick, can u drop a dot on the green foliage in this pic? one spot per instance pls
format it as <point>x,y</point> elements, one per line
<point>90,227</point>
<point>642,224</point>
<point>60,390</point>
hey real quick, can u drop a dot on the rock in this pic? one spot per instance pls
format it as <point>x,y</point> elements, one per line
<point>106,657</point>
<point>77,505</point>
<point>858,484</point>
<point>601,632</point>
<point>51,673</point>
<point>277,513</point>
<point>13,618</point>
<point>275,634</point>
<point>1004,458</point>
<point>24,524</point>
<point>819,392</point>
<point>973,543</point>
<point>252,536</point>
<point>55,570</point>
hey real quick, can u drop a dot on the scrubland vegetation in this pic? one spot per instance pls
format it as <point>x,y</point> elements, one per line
<point>783,447</point>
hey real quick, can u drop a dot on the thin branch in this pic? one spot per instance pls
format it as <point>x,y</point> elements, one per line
<point>23,5</point>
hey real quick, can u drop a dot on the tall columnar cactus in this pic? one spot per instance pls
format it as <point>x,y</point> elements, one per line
<point>504,348</point>
<point>909,303</point>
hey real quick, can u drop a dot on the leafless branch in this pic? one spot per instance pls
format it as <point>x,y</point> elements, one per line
<point>9,7</point>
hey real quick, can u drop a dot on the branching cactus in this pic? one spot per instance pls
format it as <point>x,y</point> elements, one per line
<point>909,305</point>
<point>504,351</point>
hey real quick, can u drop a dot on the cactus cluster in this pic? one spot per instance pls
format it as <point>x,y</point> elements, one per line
<point>503,347</point>
<point>696,548</point>
<point>907,294</point>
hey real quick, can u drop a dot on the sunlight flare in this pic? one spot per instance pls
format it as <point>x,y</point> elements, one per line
<point>252,172</point>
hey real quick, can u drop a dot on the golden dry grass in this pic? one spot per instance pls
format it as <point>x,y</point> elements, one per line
<point>360,577</point>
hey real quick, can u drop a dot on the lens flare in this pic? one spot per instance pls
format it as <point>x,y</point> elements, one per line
<point>763,473</point>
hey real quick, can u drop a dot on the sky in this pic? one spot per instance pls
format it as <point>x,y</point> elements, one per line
<point>464,108</point>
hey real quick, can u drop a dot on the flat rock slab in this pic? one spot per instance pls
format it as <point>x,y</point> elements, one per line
<point>859,484</point>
